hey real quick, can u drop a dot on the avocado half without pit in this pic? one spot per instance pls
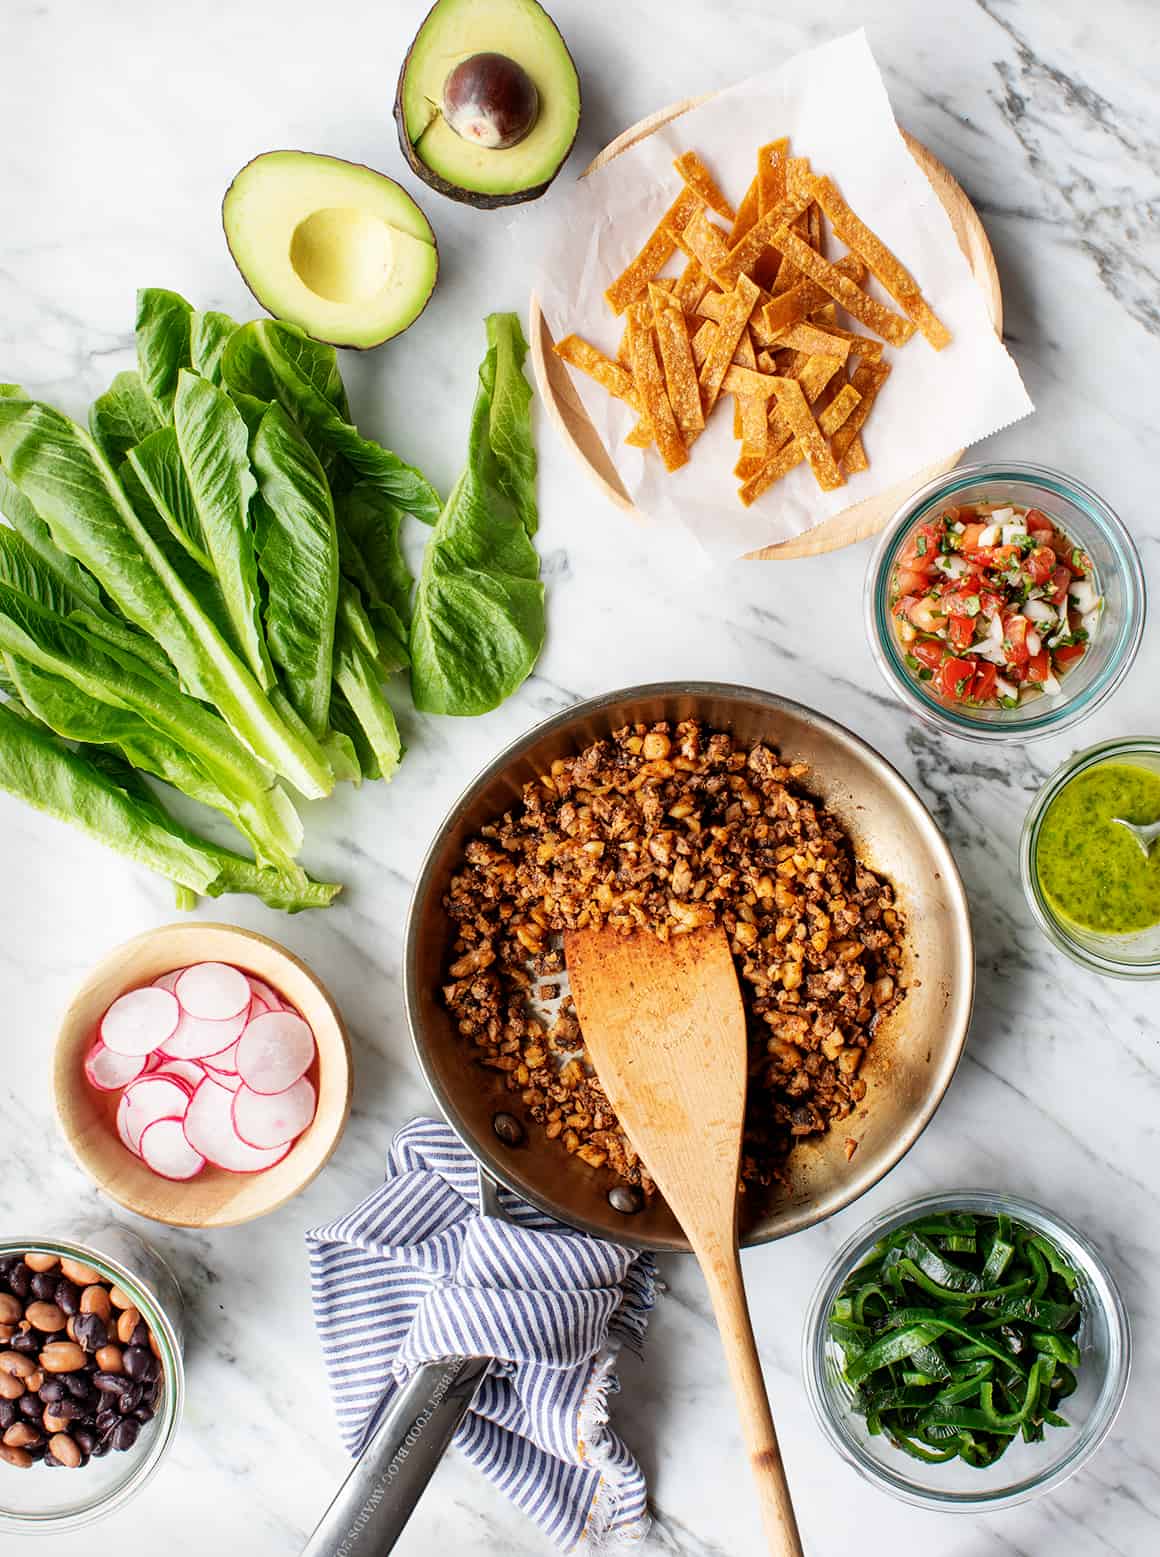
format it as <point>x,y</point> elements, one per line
<point>489,101</point>
<point>331,246</point>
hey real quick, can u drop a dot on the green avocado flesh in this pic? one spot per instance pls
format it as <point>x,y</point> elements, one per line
<point>1093,872</point>
<point>331,246</point>
<point>453,31</point>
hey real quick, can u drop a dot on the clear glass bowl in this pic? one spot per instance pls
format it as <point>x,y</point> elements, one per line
<point>1084,518</point>
<point>42,1501</point>
<point>1027,1469</point>
<point>1132,956</point>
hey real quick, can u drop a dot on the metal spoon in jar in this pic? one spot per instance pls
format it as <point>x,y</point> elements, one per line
<point>1145,833</point>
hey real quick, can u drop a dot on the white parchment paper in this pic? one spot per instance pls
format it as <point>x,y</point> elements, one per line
<point>833,104</point>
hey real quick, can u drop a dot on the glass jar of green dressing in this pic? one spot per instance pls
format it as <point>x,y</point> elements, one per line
<point>1092,888</point>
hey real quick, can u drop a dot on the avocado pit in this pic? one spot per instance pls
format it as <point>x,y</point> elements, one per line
<point>490,100</point>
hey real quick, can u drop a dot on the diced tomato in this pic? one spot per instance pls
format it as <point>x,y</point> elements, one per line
<point>990,603</point>
<point>961,631</point>
<point>983,686</point>
<point>1069,654</point>
<point>920,550</point>
<point>1015,649</point>
<point>1039,524</point>
<point>1060,579</point>
<point>926,615</point>
<point>1040,564</point>
<point>981,558</point>
<point>928,652</point>
<point>1039,666</point>
<point>957,677</point>
<point>910,582</point>
<point>1004,557</point>
<point>969,540</point>
<point>962,602</point>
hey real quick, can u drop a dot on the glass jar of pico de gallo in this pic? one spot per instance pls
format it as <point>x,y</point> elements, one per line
<point>1004,600</point>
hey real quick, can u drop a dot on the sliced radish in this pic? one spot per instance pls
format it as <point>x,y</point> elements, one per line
<point>188,1072</point>
<point>168,980</point>
<point>224,1063</point>
<point>213,991</point>
<point>229,1079</point>
<point>153,1097</point>
<point>209,1130</point>
<point>274,1051</point>
<point>109,1072</point>
<point>196,1038</point>
<point>265,1119</point>
<point>270,998</point>
<point>165,1150</point>
<point>140,1021</point>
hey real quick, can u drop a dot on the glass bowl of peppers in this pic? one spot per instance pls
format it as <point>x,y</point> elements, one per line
<point>967,1351</point>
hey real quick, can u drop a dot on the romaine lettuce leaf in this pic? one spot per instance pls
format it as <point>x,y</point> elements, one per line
<point>478,625</point>
<point>164,326</point>
<point>121,417</point>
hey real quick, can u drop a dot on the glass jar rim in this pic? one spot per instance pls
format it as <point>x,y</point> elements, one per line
<point>1080,1249</point>
<point>1049,922</point>
<point>172,1399</point>
<point>1062,712</point>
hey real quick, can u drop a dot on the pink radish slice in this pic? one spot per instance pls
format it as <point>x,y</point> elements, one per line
<point>168,980</point>
<point>196,1038</point>
<point>153,1097</point>
<point>165,1150</point>
<point>274,1051</point>
<point>229,1079</point>
<point>140,1021</point>
<point>265,1119</point>
<point>269,996</point>
<point>226,1062</point>
<point>209,1130</point>
<point>188,1072</point>
<point>109,1072</point>
<point>213,991</point>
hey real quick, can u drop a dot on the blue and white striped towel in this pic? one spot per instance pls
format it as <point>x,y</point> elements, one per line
<point>414,1274</point>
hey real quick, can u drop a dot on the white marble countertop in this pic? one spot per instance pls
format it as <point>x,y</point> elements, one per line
<point>125,122</point>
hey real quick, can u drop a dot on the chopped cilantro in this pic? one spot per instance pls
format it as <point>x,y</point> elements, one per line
<point>924,672</point>
<point>920,546</point>
<point>1009,702</point>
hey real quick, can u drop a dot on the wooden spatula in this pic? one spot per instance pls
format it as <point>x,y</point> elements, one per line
<point>665,1028</point>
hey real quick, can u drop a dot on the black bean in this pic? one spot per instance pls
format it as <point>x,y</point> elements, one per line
<point>143,1414</point>
<point>70,1410</point>
<point>50,1459</point>
<point>106,1414</point>
<point>7,1265</point>
<point>91,1331</point>
<point>139,1364</point>
<point>36,1451</point>
<point>25,1341</point>
<point>509,1129</point>
<point>84,1438</point>
<point>124,1435</point>
<point>130,1400</point>
<point>42,1285</point>
<point>112,1383</point>
<point>53,1388</point>
<point>78,1384</point>
<point>7,1414</point>
<point>67,1296</point>
<point>100,1447</point>
<point>626,1198</point>
<point>31,1407</point>
<point>19,1279</point>
<point>140,1336</point>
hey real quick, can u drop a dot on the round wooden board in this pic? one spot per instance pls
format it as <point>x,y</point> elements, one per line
<point>566,410</point>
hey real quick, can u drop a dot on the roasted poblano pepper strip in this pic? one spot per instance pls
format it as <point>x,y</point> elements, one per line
<point>960,1334</point>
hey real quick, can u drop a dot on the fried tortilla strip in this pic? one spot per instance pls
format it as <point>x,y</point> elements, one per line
<point>883,263</point>
<point>747,383</point>
<point>574,349</point>
<point>743,357</point>
<point>713,369</point>
<point>677,359</point>
<point>808,337</point>
<point>702,341</point>
<point>703,241</point>
<point>816,374</point>
<point>771,191</point>
<point>622,354</point>
<point>855,458</point>
<point>792,404</point>
<point>868,380</point>
<point>754,429</point>
<point>747,214</point>
<point>650,386</point>
<point>697,176</point>
<point>690,286</point>
<point>883,321</point>
<point>806,298</point>
<point>863,346</point>
<point>744,255</point>
<point>790,453</point>
<point>658,248</point>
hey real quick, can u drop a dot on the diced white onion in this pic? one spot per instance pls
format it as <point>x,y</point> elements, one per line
<point>1002,515</point>
<point>1039,611</point>
<point>1083,592</point>
<point>1014,532</point>
<point>1091,619</point>
<point>989,535</point>
<point>1005,688</point>
<point>953,567</point>
<point>1034,642</point>
<point>1051,685</point>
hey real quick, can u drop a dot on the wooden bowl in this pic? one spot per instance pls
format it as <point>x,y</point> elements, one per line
<point>566,409</point>
<point>214,1198</point>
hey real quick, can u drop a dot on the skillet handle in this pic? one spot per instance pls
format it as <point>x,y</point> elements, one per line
<point>375,1501</point>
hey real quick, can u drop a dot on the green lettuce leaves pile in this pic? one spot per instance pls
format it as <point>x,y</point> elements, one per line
<point>206,586</point>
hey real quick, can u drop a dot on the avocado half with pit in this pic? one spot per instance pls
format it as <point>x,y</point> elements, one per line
<point>489,101</point>
<point>331,246</point>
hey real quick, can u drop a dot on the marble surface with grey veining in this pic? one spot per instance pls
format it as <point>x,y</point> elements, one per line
<point>125,120</point>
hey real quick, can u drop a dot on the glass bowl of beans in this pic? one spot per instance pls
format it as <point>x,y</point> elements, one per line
<point>1004,602</point>
<point>91,1377</point>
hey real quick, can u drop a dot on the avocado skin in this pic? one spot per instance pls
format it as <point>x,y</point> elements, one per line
<point>444,186</point>
<point>250,288</point>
